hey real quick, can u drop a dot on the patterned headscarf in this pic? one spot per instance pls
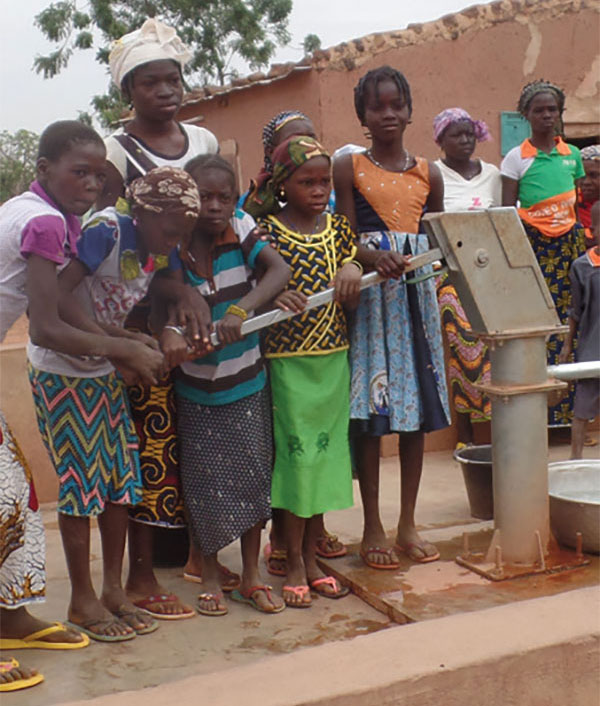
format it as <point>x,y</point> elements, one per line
<point>275,124</point>
<point>591,153</point>
<point>165,190</point>
<point>287,158</point>
<point>457,115</point>
<point>153,41</point>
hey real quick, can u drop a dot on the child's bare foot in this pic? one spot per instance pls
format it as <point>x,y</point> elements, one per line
<point>296,592</point>
<point>99,623</point>
<point>416,548</point>
<point>14,677</point>
<point>228,579</point>
<point>150,596</point>
<point>321,584</point>
<point>375,552</point>
<point>117,602</point>
<point>260,597</point>
<point>276,560</point>
<point>256,593</point>
<point>211,601</point>
<point>18,624</point>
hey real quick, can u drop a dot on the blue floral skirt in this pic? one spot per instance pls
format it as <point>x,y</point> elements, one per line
<point>398,381</point>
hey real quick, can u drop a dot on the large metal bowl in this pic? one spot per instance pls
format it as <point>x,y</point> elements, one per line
<point>574,488</point>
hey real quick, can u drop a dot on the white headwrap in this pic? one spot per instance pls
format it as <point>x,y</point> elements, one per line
<point>153,41</point>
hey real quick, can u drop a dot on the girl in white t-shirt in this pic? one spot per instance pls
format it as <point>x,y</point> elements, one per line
<point>469,184</point>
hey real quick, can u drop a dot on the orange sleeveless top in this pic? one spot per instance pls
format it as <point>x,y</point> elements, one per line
<point>398,198</point>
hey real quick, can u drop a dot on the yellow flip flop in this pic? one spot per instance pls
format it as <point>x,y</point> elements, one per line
<point>18,683</point>
<point>35,641</point>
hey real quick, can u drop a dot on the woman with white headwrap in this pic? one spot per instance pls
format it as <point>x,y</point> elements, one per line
<point>147,66</point>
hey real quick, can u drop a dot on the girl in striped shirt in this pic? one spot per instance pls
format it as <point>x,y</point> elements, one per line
<point>223,404</point>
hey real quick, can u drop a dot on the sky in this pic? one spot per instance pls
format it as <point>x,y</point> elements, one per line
<point>31,102</point>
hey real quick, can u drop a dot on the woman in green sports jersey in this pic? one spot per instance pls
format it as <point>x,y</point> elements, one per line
<point>540,174</point>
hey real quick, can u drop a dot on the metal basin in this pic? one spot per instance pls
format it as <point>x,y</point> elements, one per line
<point>574,488</point>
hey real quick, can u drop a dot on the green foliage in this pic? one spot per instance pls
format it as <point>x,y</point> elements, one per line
<point>311,43</point>
<point>215,30</point>
<point>18,155</point>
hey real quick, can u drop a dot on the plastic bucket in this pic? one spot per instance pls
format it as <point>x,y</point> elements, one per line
<point>476,464</point>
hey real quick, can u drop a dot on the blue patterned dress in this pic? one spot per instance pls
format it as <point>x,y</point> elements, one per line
<point>398,378</point>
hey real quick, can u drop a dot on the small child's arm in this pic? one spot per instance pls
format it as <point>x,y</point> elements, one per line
<point>574,314</point>
<point>567,348</point>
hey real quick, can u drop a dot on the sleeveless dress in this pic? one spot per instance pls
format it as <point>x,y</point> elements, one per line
<point>398,381</point>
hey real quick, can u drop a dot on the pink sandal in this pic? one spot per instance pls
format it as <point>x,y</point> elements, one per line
<point>340,591</point>
<point>301,592</point>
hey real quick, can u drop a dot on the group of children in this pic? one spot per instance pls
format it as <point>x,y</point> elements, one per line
<point>146,422</point>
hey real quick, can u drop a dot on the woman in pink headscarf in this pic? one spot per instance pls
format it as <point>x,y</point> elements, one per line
<point>469,184</point>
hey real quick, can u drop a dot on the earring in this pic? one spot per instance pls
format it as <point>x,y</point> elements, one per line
<point>281,195</point>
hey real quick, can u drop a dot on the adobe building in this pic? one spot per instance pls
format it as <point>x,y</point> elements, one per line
<point>477,59</point>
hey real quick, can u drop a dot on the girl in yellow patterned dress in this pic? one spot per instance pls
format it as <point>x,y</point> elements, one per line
<point>308,358</point>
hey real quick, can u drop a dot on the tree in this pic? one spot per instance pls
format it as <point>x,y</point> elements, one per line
<point>215,30</point>
<point>311,43</point>
<point>18,155</point>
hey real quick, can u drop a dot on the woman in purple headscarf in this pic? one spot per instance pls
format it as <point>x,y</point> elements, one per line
<point>469,184</point>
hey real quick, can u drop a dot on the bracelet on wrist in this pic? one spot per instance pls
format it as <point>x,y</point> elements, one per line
<point>177,329</point>
<point>237,311</point>
<point>356,263</point>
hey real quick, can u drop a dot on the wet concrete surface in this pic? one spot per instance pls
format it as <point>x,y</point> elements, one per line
<point>202,645</point>
<point>426,591</point>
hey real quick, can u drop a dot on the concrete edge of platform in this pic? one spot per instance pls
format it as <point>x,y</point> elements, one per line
<point>541,651</point>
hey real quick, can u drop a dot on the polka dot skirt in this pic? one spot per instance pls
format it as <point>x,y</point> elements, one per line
<point>226,459</point>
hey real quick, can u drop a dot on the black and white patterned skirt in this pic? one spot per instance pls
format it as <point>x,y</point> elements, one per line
<point>226,460</point>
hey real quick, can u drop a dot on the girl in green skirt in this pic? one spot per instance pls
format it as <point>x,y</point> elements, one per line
<point>308,357</point>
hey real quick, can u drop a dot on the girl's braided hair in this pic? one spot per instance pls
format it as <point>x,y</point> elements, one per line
<point>374,78</point>
<point>535,88</point>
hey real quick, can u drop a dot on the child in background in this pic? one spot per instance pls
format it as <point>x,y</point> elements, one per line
<point>584,322</point>
<point>396,351</point>
<point>224,422</point>
<point>588,189</point>
<point>38,235</point>
<point>81,405</point>
<point>308,358</point>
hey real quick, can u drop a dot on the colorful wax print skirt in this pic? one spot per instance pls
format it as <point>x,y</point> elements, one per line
<point>555,257</point>
<point>396,349</point>
<point>226,457</point>
<point>87,429</point>
<point>469,361</point>
<point>22,543</point>
<point>155,416</point>
<point>154,413</point>
<point>312,472</point>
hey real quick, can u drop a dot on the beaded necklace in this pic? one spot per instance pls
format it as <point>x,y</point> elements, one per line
<point>405,160</point>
